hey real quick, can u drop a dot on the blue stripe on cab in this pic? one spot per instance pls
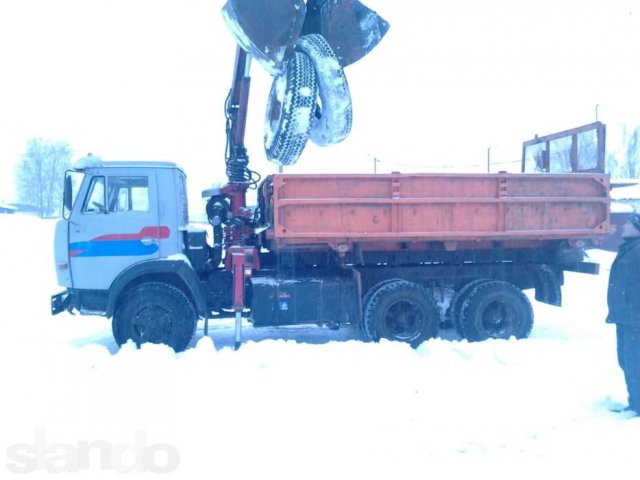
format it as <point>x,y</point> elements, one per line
<point>114,248</point>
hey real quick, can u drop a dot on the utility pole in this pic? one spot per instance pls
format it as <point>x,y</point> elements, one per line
<point>489,160</point>
<point>375,164</point>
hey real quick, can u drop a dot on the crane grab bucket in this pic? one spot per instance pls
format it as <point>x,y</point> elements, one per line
<point>269,29</point>
<point>351,28</point>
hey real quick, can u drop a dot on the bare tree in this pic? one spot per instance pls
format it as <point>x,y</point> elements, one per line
<point>612,166</point>
<point>39,175</point>
<point>632,164</point>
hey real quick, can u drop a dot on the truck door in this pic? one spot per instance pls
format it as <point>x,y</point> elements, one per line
<point>114,224</point>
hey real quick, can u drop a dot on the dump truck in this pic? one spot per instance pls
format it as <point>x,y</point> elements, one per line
<point>395,254</point>
<point>398,256</point>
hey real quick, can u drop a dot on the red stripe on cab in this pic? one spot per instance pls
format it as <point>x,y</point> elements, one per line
<point>158,232</point>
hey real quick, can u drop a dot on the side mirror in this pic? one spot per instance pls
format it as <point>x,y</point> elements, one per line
<point>67,200</point>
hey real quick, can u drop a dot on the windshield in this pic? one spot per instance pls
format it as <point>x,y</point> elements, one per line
<point>72,181</point>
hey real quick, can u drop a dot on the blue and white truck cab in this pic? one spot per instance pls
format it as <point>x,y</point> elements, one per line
<point>122,249</point>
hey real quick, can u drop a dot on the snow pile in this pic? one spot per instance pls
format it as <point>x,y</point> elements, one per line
<point>631,191</point>
<point>310,408</point>
<point>89,161</point>
<point>619,207</point>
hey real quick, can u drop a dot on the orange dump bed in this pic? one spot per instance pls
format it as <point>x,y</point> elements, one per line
<point>333,209</point>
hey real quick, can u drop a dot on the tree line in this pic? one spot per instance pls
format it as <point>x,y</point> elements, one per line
<point>626,164</point>
<point>40,172</point>
<point>39,175</point>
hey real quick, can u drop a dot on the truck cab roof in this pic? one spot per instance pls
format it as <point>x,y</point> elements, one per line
<point>95,162</point>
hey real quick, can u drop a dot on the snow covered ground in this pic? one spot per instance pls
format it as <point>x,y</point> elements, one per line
<point>304,402</point>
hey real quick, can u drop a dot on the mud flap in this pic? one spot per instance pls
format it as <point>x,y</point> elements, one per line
<point>548,285</point>
<point>269,29</point>
<point>60,302</point>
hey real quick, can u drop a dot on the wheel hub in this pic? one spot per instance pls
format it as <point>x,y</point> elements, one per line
<point>403,321</point>
<point>151,324</point>
<point>498,319</point>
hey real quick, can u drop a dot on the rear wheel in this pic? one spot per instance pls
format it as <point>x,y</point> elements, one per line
<point>155,312</point>
<point>495,309</point>
<point>458,300</point>
<point>367,297</point>
<point>401,311</point>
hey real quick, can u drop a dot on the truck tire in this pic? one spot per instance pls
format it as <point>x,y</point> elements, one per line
<point>365,302</point>
<point>335,115</point>
<point>458,300</point>
<point>155,312</point>
<point>401,311</point>
<point>495,309</point>
<point>290,110</point>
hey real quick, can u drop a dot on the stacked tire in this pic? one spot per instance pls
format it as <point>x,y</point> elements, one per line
<point>310,99</point>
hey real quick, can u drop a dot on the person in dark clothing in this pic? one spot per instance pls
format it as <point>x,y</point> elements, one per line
<point>623,299</point>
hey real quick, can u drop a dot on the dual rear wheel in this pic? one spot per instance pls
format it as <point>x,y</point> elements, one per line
<point>482,309</point>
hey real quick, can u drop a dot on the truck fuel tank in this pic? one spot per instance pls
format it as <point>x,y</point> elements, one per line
<point>331,300</point>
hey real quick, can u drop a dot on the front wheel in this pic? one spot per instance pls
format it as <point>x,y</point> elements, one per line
<point>155,312</point>
<point>401,311</point>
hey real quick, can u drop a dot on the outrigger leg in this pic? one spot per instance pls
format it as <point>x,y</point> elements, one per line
<point>243,261</point>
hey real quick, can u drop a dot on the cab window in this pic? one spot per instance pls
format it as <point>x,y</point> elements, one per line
<point>128,194</point>
<point>95,199</point>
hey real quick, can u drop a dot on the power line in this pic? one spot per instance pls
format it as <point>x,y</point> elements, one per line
<point>413,165</point>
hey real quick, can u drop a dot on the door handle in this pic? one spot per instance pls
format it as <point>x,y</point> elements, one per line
<point>149,241</point>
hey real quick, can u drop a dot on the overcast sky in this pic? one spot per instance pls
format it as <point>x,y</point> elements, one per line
<point>146,79</point>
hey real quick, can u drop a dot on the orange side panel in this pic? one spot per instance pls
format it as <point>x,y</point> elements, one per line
<point>332,209</point>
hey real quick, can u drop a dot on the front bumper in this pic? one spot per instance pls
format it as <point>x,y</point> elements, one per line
<point>60,302</point>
